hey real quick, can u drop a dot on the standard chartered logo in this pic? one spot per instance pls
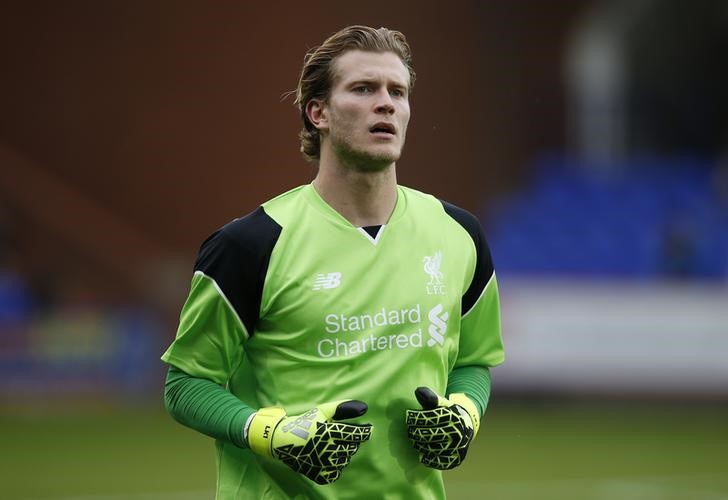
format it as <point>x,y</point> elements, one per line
<point>438,325</point>
<point>381,330</point>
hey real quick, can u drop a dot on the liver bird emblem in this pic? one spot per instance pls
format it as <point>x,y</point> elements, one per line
<point>432,267</point>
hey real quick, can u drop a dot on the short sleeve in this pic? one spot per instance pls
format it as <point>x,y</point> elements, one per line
<point>223,305</point>
<point>481,341</point>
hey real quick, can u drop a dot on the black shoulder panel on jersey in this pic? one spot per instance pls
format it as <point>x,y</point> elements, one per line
<point>236,257</point>
<point>484,264</point>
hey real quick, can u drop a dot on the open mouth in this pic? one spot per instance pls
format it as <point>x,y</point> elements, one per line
<point>382,128</point>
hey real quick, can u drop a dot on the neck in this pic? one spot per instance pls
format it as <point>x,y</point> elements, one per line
<point>364,198</point>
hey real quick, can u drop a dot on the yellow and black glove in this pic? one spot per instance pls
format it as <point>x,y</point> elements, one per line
<point>314,443</point>
<point>443,429</point>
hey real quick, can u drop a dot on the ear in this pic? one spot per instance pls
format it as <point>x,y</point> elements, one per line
<point>317,114</point>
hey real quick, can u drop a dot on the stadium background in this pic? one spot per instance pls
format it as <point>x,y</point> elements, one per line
<point>591,138</point>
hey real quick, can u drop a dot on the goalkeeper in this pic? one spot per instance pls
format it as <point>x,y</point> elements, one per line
<point>337,341</point>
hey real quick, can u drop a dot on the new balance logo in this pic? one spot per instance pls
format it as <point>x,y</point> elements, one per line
<point>326,281</point>
<point>438,325</point>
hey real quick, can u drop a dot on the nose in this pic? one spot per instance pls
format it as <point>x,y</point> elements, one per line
<point>384,102</point>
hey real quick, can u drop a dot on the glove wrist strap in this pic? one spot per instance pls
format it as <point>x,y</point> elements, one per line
<point>465,402</point>
<point>260,433</point>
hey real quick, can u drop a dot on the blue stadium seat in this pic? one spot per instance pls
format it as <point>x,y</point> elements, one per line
<point>646,218</point>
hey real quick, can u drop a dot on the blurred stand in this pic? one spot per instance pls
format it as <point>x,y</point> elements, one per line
<point>132,130</point>
<point>590,136</point>
<point>613,256</point>
<point>615,283</point>
<point>615,339</point>
<point>647,76</point>
<point>84,306</point>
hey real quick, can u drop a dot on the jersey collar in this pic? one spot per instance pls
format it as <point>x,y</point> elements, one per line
<point>328,211</point>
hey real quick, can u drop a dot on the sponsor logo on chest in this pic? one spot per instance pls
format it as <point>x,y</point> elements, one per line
<point>349,334</point>
<point>382,330</point>
<point>326,281</point>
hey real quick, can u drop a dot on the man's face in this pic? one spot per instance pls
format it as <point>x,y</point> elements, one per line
<point>367,112</point>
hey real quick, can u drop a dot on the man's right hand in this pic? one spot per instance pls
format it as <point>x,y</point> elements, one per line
<point>315,443</point>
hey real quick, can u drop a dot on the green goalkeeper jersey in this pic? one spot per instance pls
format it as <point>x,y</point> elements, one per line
<point>292,306</point>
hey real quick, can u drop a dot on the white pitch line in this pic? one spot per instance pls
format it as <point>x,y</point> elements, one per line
<point>180,495</point>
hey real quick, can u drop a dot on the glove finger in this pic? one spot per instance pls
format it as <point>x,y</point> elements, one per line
<point>434,448</point>
<point>355,433</point>
<point>438,416</point>
<point>342,409</point>
<point>441,462</point>
<point>341,453</point>
<point>325,454</point>
<point>350,409</point>
<point>428,434</point>
<point>444,438</point>
<point>427,398</point>
<point>325,475</point>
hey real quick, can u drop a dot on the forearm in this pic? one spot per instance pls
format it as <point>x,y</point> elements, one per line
<point>205,406</point>
<point>474,382</point>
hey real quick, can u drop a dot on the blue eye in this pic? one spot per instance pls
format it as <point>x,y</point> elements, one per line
<point>362,90</point>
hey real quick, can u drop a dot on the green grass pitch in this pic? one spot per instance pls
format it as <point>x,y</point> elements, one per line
<point>565,450</point>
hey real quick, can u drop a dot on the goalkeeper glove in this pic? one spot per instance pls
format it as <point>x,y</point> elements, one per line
<point>443,429</point>
<point>314,443</point>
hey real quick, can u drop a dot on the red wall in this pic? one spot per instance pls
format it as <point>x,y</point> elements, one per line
<point>168,114</point>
